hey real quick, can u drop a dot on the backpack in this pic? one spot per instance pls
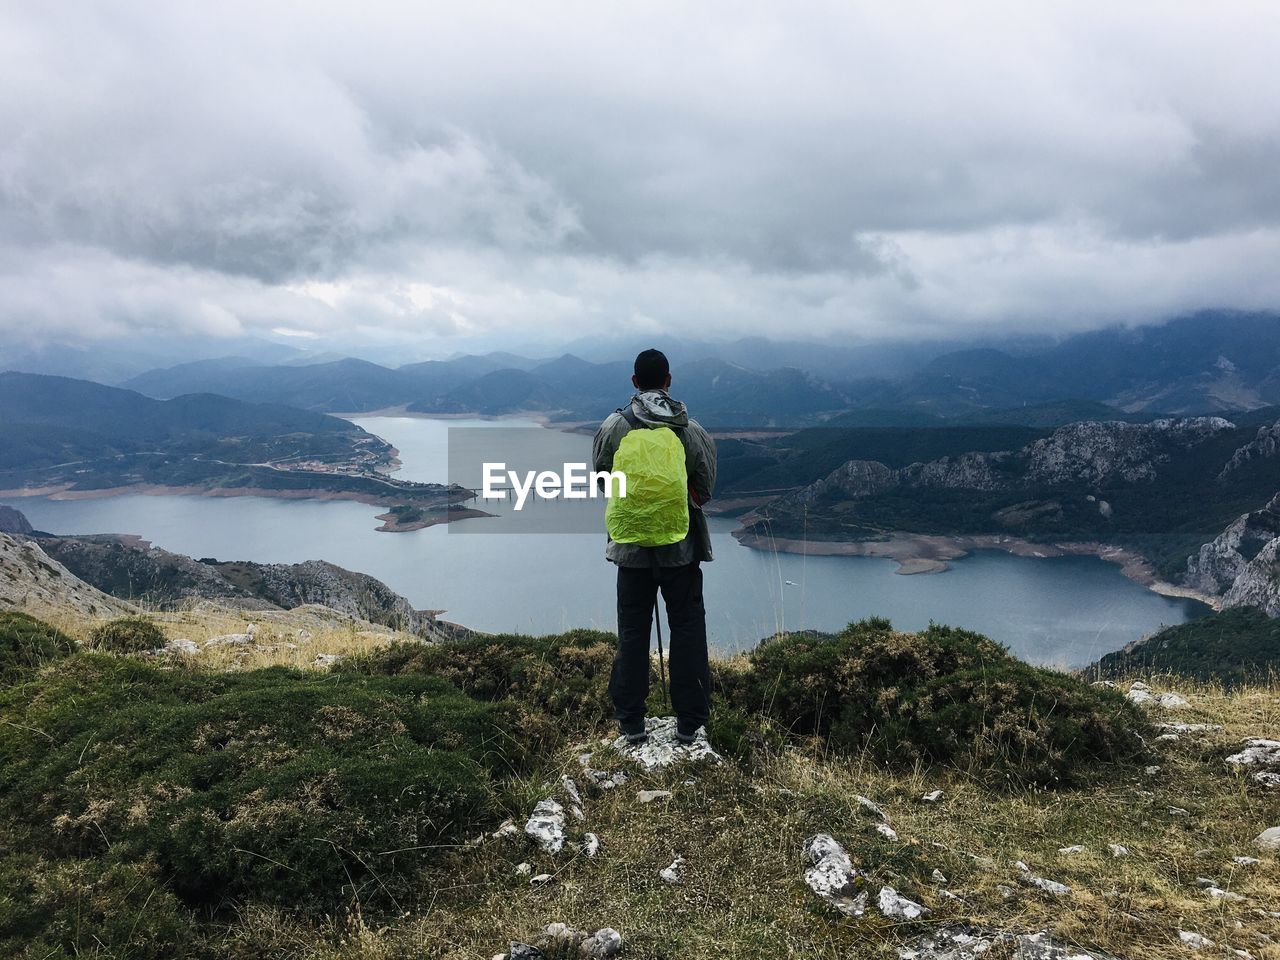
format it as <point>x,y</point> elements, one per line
<point>655,511</point>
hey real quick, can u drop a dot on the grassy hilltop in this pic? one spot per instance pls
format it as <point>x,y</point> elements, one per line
<point>243,797</point>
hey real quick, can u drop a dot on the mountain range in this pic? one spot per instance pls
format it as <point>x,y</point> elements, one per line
<point>1208,362</point>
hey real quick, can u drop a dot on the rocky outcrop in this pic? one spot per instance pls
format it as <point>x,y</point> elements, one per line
<point>1263,447</point>
<point>1242,564</point>
<point>35,583</point>
<point>134,570</point>
<point>1090,453</point>
<point>1095,452</point>
<point>12,521</point>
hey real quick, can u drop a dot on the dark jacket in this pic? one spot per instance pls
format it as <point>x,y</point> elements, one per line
<point>657,408</point>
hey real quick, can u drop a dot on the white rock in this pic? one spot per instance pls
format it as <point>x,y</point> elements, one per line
<point>886,831</point>
<point>326,659</point>
<point>1257,752</point>
<point>938,876</point>
<point>1139,685</point>
<point>1179,812</point>
<point>571,789</point>
<point>832,877</point>
<point>563,933</point>
<point>524,869</point>
<point>1049,886</point>
<point>1245,861</point>
<point>897,907</point>
<point>590,845</point>
<point>1171,701</point>
<point>1268,839</point>
<point>1217,893</point>
<point>1068,851</point>
<point>870,806</point>
<point>540,879</point>
<point>577,813</point>
<point>1152,771</point>
<point>648,796</point>
<point>1267,778</point>
<point>1117,850</point>
<point>1190,727</point>
<point>933,796</point>
<point>181,647</point>
<point>508,829</point>
<point>1140,696</point>
<point>673,873</point>
<point>662,749</point>
<point>605,942</point>
<point>229,640</point>
<point>1194,940</point>
<point>546,825</point>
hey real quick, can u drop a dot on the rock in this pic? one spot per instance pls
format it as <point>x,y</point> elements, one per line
<point>1068,851</point>
<point>1267,779</point>
<point>1040,946</point>
<point>590,845</point>
<point>229,640</point>
<point>1268,839</point>
<point>1257,752</point>
<point>524,951</point>
<point>1190,727</point>
<point>662,749</point>
<point>870,807</point>
<point>577,813</point>
<point>648,796</point>
<point>540,879</point>
<point>1217,893</point>
<point>546,825</point>
<point>832,877</point>
<point>1171,701</point>
<point>1239,564</point>
<point>508,829</point>
<point>186,648</point>
<point>1245,861</point>
<point>1194,940</point>
<point>326,659</point>
<point>605,942</point>
<point>1152,770</point>
<point>938,876</point>
<point>1048,886</point>
<point>951,943</point>
<point>1140,697</point>
<point>562,934</point>
<point>673,873</point>
<point>1117,851</point>
<point>933,796</point>
<point>571,789</point>
<point>1179,812</point>
<point>524,869</point>
<point>886,831</point>
<point>897,907</point>
<point>601,779</point>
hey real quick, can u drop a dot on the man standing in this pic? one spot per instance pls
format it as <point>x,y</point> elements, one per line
<point>672,568</point>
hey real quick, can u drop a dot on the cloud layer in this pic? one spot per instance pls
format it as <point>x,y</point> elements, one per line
<point>445,173</point>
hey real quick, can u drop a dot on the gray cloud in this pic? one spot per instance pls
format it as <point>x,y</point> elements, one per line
<point>439,173</point>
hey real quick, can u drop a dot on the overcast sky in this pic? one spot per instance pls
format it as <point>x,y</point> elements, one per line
<point>482,172</point>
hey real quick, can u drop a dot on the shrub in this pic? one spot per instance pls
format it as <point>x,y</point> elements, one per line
<point>942,696</point>
<point>562,677</point>
<point>56,910</point>
<point>127,635</point>
<point>26,642</point>
<point>283,786</point>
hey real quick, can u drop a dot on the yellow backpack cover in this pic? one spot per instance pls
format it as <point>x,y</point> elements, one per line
<point>655,511</point>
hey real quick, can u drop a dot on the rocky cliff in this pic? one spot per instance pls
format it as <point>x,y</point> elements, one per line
<point>1091,454</point>
<point>11,521</point>
<point>33,582</point>
<point>1242,564</point>
<point>1263,447</point>
<point>134,570</point>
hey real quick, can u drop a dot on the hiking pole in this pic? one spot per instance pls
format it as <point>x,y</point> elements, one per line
<point>662,667</point>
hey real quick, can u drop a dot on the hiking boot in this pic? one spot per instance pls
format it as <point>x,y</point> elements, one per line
<point>686,735</point>
<point>633,735</point>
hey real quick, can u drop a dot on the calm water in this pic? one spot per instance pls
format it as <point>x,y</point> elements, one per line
<point>1064,611</point>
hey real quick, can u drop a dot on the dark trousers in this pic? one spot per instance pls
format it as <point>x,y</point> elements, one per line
<point>687,653</point>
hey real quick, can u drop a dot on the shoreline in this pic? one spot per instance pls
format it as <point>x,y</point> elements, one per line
<point>931,553</point>
<point>64,492</point>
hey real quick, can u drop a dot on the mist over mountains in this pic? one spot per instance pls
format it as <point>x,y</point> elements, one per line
<point>1207,362</point>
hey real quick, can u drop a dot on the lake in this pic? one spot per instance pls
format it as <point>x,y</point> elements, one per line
<point>512,573</point>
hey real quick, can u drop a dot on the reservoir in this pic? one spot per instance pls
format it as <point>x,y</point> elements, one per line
<point>522,574</point>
